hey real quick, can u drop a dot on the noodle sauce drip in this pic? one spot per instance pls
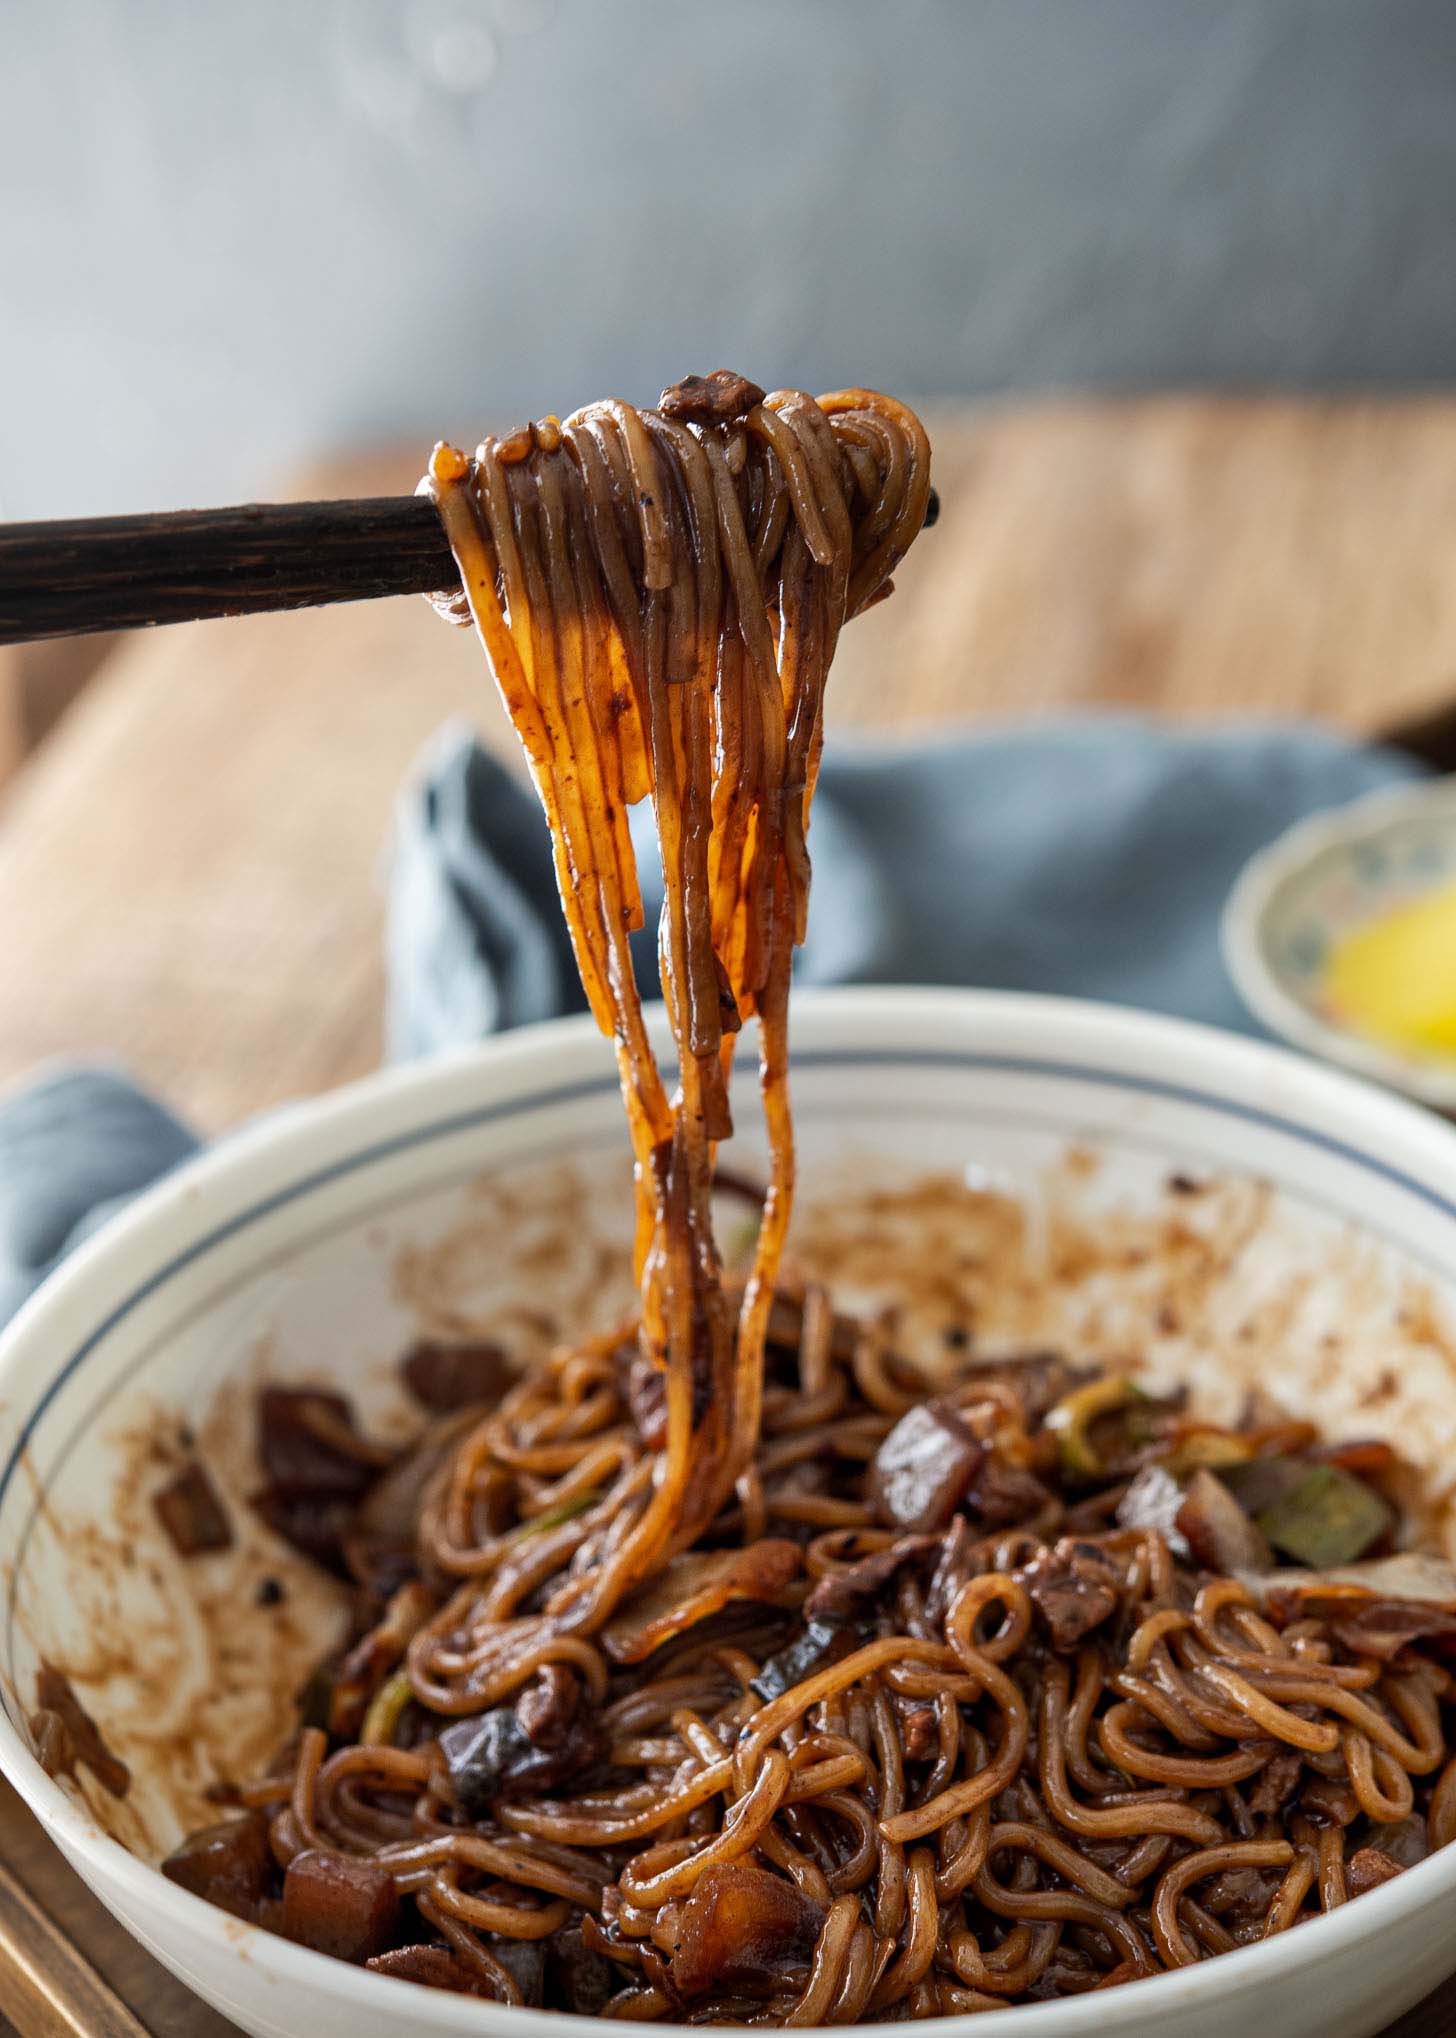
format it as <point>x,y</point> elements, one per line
<point>659,594</point>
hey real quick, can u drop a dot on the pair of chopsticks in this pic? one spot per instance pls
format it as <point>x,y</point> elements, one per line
<point>71,579</point>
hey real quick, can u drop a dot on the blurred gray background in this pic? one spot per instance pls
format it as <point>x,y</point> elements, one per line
<point>233,236</point>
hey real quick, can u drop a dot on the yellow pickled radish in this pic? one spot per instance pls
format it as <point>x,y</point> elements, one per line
<point>1395,977</point>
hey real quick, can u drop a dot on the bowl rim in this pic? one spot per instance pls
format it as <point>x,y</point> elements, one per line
<point>1243,936</point>
<point>286,1144</point>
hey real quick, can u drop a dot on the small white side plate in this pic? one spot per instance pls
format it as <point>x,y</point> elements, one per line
<point>1318,881</point>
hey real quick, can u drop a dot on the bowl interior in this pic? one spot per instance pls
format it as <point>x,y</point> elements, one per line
<point>1205,1210</point>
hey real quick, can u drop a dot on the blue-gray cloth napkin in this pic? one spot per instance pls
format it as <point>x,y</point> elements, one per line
<point>1089,857</point>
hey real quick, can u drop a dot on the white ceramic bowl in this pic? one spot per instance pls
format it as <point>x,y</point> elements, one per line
<point>1320,880</point>
<point>1236,1212</point>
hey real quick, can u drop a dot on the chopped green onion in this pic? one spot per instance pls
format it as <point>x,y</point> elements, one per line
<point>555,1516</point>
<point>1330,1517</point>
<point>385,1709</point>
<point>1073,1416</point>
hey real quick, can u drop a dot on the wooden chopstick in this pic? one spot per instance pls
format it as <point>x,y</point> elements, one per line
<point>48,1989</point>
<point>71,579</point>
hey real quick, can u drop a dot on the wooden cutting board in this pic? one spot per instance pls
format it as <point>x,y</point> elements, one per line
<point>190,868</point>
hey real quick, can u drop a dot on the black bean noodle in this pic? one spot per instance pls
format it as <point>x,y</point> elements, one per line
<point>717,1671</point>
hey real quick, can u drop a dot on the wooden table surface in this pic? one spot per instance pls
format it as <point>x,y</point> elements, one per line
<point>191,865</point>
